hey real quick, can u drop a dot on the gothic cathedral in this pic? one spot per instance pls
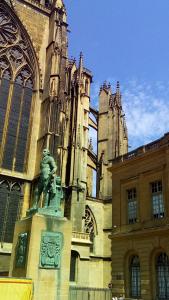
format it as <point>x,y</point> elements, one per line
<point>45,103</point>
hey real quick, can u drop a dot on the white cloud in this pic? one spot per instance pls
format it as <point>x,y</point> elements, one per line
<point>146,106</point>
<point>147,109</point>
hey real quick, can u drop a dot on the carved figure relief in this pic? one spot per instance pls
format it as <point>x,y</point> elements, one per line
<point>50,252</point>
<point>21,250</point>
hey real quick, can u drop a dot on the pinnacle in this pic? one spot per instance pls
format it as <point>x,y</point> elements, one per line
<point>118,87</point>
<point>81,60</point>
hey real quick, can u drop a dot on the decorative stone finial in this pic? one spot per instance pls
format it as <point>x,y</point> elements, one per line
<point>90,144</point>
<point>105,84</point>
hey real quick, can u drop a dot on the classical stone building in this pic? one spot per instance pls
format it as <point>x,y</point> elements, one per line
<point>45,102</point>
<point>140,216</point>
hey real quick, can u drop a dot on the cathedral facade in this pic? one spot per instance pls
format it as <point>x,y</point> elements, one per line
<point>45,103</point>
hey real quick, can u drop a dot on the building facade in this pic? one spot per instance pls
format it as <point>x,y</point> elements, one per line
<point>140,228</point>
<point>45,103</point>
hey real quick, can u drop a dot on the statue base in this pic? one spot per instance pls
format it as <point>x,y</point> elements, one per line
<point>41,251</point>
<point>51,212</point>
<point>46,211</point>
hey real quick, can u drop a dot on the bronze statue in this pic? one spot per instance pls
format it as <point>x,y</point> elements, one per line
<point>48,170</point>
<point>50,185</point>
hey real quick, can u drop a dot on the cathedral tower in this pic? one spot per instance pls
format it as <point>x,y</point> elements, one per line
<point>112,136</point>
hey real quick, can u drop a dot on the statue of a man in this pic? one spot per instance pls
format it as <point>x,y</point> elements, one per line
<point>48,170</point>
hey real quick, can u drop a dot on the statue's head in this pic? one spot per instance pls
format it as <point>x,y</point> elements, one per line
<point>46,152</point>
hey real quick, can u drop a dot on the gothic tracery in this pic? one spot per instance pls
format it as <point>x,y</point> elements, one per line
<point>14,51</point>
<point>89,221</point>
<point>16,83</point>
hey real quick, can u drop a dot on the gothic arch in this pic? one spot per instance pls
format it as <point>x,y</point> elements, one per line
<point>16,186</point>
<point>90,225</point>
<point>16,44</point>
<point>19,78</point>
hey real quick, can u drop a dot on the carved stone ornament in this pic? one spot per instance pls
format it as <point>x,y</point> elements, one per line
<point>11,3</point>
<point>50,251</point>
<point>21,250</point>
<point>89,221</point>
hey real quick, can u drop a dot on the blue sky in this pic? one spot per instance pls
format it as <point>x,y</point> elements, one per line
<point>127,40</point>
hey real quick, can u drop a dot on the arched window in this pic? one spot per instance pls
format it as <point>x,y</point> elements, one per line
<point>135,288</point>
<point>90,226</point>
<point>162,271</point>
<point>16,89</point>
<point>73,265</point>
<point>10,206</point>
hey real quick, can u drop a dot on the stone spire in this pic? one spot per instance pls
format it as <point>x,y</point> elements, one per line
<point>118,88</point>
<point>81,64</point>
<point>118,95</point>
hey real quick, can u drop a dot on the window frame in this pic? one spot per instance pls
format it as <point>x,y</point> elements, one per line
<point>138,293</point>
<point>157,202</point>
<point>75,275</point>
<point>133,200</point>
<point>165,273</point>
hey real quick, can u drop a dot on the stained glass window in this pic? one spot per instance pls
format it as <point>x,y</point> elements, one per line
<point>16,86</point>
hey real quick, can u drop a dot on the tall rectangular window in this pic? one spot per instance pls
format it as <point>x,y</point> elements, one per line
<point>157,199</point>
<point>135,278</point>
<point>73,266</point>
<point>132,206</point>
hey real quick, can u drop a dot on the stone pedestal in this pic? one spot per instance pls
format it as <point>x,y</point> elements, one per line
<point>41,251</point>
